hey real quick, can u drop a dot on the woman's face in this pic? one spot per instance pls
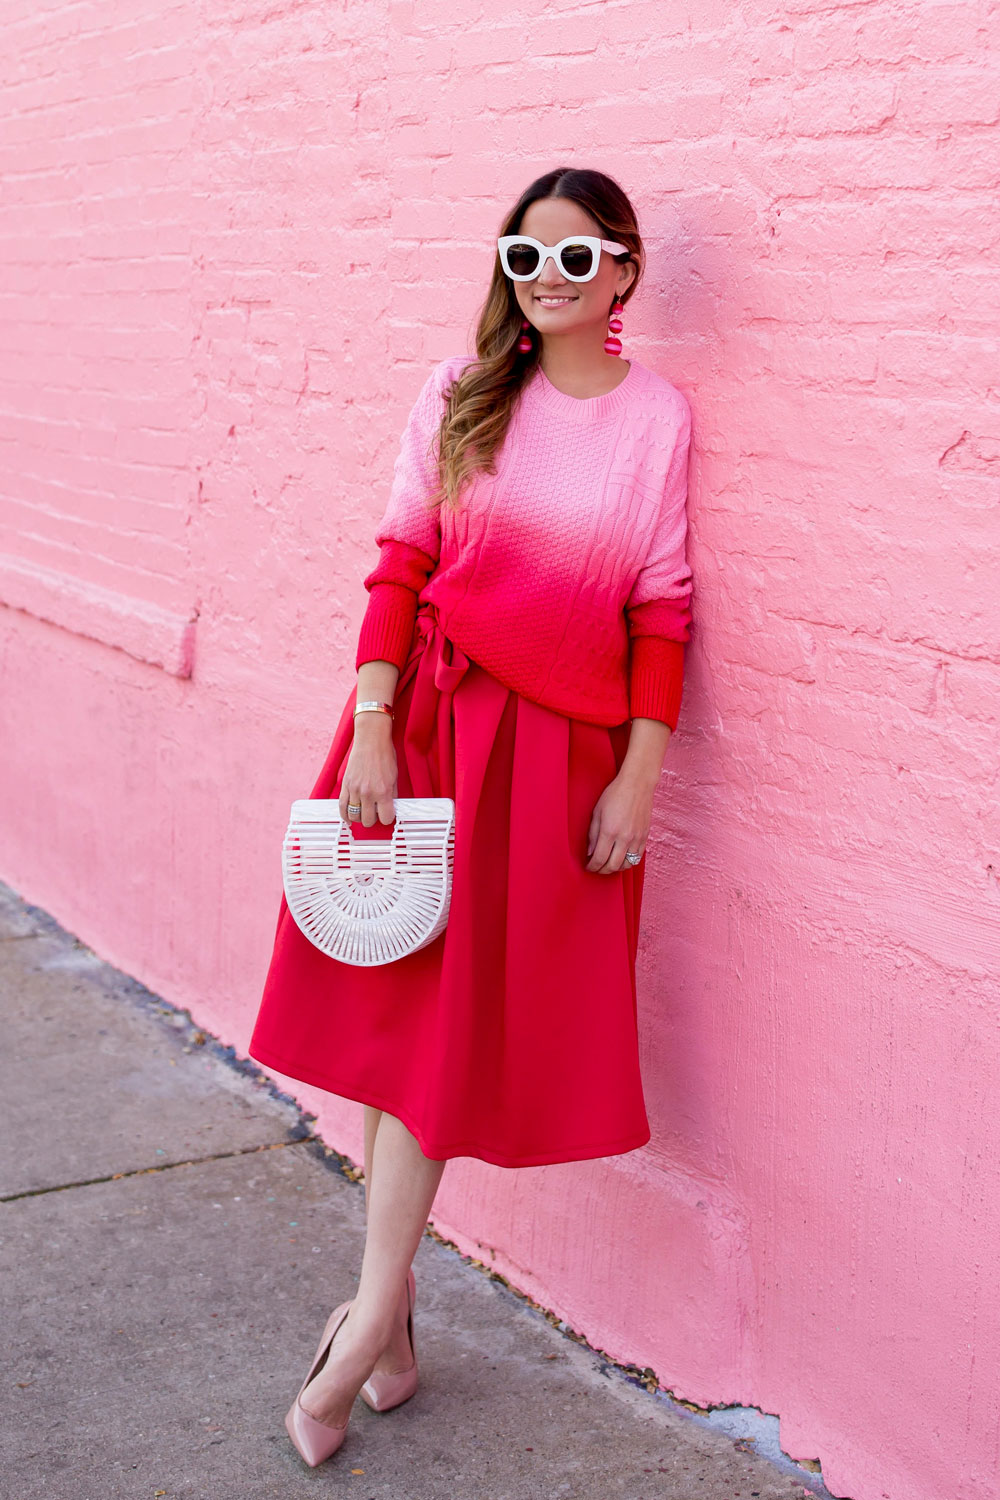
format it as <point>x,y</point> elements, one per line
<point>578,306</point>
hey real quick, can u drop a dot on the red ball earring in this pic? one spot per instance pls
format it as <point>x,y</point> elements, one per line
<point>524,343</point>
<point>613,344</point>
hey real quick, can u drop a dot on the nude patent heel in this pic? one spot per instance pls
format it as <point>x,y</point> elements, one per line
<point>315,1440</point>
<point>382,1391</point>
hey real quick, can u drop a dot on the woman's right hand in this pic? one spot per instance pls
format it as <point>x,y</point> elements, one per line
<point>370,776</point>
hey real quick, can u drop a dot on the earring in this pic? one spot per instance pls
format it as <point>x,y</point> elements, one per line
<point>613,344</point>
<point>524,343</point>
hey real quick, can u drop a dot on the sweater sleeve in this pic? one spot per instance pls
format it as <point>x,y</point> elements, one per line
<point>408,535</point>
<point>658,607</point>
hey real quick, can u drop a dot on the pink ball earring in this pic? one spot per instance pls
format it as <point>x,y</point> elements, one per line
<point>524,343</point>
<point>613,344</point>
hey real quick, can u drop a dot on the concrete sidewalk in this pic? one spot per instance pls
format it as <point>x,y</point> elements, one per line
<point>174,1238</point>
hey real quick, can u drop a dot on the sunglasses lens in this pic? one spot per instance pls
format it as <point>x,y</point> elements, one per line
<point>577,259</point>
<point>522,259</point>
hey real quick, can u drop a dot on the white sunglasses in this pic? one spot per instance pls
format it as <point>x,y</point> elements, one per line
<point>577,256</point>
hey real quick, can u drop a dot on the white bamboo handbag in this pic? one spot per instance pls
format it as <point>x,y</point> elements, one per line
<point>369,901</point>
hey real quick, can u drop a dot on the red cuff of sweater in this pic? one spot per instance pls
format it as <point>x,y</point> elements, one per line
<point>401,562</point>
<point>656,679</point>
<point>393,587</point>
<point>387,627</point>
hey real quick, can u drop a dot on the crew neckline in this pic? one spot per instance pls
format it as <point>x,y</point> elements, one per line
<point>585,408</point>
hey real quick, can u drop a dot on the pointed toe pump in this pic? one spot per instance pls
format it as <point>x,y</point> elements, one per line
<point>382,1391</point>
<point>315,1440</point>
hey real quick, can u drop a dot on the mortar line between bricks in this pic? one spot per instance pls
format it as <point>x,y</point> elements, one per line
<point>166,1166</point>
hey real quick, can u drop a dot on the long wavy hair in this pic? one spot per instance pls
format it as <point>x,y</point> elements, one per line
<point>480,402</point>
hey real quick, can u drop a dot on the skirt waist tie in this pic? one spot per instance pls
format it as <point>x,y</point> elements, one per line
<point>428,719</point>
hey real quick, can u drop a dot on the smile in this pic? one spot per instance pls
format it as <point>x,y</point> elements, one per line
<point>554,301</point>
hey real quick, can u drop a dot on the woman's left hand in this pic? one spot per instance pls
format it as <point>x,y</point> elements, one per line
<point>620,822</point>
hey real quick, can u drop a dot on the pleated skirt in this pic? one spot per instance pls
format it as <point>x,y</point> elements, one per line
<point>512,1036</point>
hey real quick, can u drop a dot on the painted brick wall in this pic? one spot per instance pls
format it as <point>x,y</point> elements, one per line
<point>234,239</point>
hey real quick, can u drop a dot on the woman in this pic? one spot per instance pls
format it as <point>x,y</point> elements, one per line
<point>522,652</point>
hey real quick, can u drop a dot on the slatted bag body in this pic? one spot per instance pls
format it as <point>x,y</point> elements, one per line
<point>372,900</point>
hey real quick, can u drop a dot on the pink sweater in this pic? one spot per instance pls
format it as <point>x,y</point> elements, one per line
<point>565,573</point>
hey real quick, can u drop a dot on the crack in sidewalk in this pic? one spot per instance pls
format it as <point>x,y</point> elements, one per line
<point>166,1166</point>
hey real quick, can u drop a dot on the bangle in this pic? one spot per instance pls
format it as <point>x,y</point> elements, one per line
<point>372,705</point>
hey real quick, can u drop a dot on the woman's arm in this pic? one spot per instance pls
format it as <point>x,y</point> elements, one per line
<point>370,776</point>
<point>376,682</point>
<point>647,745</point>
<point>624,810</point>
<point>658,616</point>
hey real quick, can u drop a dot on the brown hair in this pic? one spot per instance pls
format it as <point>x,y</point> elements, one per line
<point>479,403</point>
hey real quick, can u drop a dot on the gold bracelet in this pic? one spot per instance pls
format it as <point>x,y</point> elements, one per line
<point>372,705</point>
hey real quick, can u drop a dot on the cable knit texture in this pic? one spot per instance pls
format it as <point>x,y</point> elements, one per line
<point>564,574</point>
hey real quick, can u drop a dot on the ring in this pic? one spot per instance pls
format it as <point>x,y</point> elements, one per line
<point>632,857</point>
<point>353,808</point>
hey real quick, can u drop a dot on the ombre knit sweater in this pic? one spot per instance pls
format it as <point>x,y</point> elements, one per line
<point>564,574</point>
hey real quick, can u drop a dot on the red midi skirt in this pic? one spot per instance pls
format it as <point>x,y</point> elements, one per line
<point>511,1037</point>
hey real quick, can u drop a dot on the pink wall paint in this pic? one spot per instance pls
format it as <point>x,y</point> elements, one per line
<point>233,245</point>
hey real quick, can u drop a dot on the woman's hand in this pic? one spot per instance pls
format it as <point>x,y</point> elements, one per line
<point>620,822</point>
<point>370,776</point>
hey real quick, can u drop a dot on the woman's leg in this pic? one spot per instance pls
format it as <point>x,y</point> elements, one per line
<point>372,1117</point>
<point>397,1354</point>
<point>399,1192</point>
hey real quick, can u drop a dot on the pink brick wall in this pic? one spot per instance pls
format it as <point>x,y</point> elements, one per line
<point>233,243</point>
